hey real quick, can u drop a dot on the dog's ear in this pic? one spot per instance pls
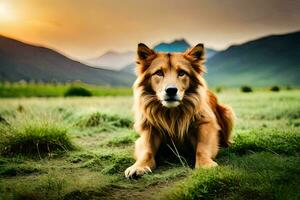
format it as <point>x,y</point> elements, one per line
<point>196,53</point>
<point>144,52</point>
<point>196,56</point>
<point>145,57</point>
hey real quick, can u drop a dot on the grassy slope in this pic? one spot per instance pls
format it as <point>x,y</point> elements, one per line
<point>262,164</point>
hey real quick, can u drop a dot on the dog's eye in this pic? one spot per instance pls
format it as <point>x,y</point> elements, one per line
<point>181,73</point>
<point>159,73</point>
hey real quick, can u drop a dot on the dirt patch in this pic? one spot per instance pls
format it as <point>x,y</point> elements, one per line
<point>135,192</point>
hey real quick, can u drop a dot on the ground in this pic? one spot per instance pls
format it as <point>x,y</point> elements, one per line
<point>263,163</point>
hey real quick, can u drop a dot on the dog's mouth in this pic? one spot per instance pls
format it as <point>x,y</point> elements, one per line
<point>170,102</point>
<point>171,99</point>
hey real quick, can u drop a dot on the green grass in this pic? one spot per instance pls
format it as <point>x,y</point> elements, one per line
<point>263,162</point>
<point>276,141</point>
<point>55,185</point>
<point>123,140</point>
<point>100,119</point>
<point>57,90</point>
<point>34,135</point>
<point>255,176</point>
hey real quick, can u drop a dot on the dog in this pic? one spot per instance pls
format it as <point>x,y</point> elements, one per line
<point>171,99</point>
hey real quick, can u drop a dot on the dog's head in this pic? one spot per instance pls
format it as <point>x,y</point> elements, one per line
<point>170,76</point>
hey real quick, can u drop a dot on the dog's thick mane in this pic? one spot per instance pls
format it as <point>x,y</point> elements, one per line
<point>176,122</point>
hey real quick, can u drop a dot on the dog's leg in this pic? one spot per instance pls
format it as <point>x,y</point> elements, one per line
<point>207,144</point>
<point>145,149</point>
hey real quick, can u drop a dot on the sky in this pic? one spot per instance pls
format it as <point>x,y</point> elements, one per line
<point>85,29</point>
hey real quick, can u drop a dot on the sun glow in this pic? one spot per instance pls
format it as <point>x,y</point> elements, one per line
<point>6,13</point>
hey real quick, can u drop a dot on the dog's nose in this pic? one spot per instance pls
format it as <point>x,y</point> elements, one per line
<point>171,90</point>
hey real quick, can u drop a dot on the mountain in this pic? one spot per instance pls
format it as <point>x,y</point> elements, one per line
<point>21,61</point>
<point>180,45</point>
<point>209,53</point>
<point>271,60</point>
<point>130,69</point>
<point>175,46</point>
<point>112,60</point>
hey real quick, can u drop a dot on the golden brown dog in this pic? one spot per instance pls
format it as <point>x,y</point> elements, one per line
<point>171,98</point>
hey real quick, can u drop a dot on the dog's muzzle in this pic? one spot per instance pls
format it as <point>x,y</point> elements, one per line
<point>171,98</point>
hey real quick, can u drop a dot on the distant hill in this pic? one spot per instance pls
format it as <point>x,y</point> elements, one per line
<point>209,53</point>
<point>271,60</point>
<point>180,45</point>
<point>130,69</point>
<point>175,46</point>
<point>21,61</point>
<point>112,60</point>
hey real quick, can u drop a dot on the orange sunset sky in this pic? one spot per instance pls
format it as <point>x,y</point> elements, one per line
<point>87,28</point>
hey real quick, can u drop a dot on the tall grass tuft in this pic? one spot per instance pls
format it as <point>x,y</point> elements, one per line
<point>35,136</point>
<point>101,119</point>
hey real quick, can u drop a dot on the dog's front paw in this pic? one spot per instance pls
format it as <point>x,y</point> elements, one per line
<point>206,164</point>
<point>136,171</point>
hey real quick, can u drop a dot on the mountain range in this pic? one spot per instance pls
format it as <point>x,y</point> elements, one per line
<point>112,60</point>
<point>270,60</point>
<point>21,61</point>
<point>180,45</point>
<point>124,61</point>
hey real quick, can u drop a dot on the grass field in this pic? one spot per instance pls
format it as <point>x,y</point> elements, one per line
<point>78,148</point>
<point>57,90</point>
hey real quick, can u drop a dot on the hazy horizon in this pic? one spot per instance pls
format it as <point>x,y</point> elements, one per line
<point>86,29</point>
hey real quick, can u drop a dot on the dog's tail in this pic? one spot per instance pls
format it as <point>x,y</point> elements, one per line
<point>226,118</point>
